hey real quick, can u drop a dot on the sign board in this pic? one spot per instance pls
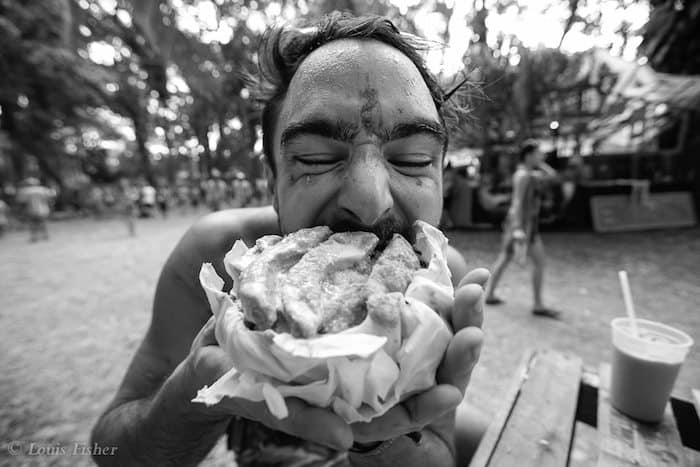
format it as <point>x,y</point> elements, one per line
<point>617,213</point>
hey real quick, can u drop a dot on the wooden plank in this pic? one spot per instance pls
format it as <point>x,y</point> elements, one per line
<point>493,433</point>
<point>541,424</point>
<point>687,421</point>
<point>587,410</point>
<point>584,448</point>
<point>696,400</point>
<point>590,376</point>
<point>626,442</point>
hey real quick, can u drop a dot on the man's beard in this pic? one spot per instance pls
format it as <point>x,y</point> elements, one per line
<point>384,229</point>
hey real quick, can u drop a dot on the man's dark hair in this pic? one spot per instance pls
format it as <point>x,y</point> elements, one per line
<point>527,148</point>
<point>282,50</point>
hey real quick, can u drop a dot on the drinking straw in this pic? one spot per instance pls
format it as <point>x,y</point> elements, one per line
<point>629,305</point>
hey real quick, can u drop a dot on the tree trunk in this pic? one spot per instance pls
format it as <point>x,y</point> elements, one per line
<point>9,125</point>
<point>205,158</point>
<point>172,161</point>
<point>523,95</point>
<point>45,167</point>
<point>144,155</point>
<point>220,147</point>
<point>573,9</point>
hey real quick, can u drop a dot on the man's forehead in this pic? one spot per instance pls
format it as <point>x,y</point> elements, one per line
<point>353,56</point>
<point>350,74</point>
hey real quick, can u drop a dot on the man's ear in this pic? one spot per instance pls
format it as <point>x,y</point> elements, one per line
<point>271,179</point>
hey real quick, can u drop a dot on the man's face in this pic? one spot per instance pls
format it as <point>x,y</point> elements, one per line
<point>358,143</point>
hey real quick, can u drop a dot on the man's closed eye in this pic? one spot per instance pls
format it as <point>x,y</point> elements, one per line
<point>412,162</point>
<point>318,160</point>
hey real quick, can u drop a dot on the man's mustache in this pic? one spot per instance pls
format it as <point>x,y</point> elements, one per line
<point>384,229</point>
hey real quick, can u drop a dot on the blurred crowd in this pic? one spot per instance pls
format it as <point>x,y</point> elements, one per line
<point>31,205</point>
<point>472,195</point>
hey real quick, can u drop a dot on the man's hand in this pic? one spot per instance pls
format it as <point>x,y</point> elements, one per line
<point>519,235</point>
<point>520,246</point>
<point>207,362</point>
<point>452,376</point>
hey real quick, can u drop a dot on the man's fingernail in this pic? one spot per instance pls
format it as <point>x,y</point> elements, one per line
<point>475,354</point>
<point>332,444</point>
<point>454,399</point>
<point>342,443</point>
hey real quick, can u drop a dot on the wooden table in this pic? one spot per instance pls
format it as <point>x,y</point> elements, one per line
<point>551,392</point>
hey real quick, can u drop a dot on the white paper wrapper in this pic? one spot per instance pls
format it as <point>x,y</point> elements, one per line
<point>361,372</point>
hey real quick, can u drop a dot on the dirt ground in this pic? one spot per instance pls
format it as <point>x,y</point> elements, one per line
<point>73,310</point>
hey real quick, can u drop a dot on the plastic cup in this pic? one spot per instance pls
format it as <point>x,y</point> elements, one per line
<point>644,368</point>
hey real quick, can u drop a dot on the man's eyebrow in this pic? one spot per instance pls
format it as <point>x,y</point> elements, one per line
<point>416,127</point>
<point>337,130</point>
<point>345,131</point>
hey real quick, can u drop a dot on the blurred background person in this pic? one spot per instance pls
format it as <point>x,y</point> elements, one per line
<point>236,195</point>
<point>127,204</point>
<point>96,201</point>
<point>4,220</point>
<point>182,196</point>
<point>163,198</point>
<point>242,191</point>
<point>147,200</point>
<point>521,236</point>
<point>196,194</point>
<point>36,202</point>
<point>215,191</point>
<point>262,192</point>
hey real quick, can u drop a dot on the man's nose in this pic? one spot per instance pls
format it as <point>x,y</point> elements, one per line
<point>366,193</point>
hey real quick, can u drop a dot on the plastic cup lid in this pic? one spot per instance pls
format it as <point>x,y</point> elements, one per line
<point>655,340</point>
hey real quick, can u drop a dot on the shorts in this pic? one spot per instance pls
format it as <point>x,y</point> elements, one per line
<point>508,241</point>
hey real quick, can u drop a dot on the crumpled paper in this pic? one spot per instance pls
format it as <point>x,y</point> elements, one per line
<point>359,373</point>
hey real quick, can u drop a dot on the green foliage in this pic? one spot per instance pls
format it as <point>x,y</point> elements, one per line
<point>671,40</point>
<point>162,79</point>
<point>46,85</point>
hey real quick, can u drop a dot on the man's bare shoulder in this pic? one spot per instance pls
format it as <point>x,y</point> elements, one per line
<point>214,234</point>
<point>180,306</point>
<point>218,230</point>
<point>209,239</point>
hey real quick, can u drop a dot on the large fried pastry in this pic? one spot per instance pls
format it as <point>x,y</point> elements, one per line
<point>314,297</point>
<point>306,288</point>
<point>393,270</point>
<point>329,319</point>
<point>258,286</point>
